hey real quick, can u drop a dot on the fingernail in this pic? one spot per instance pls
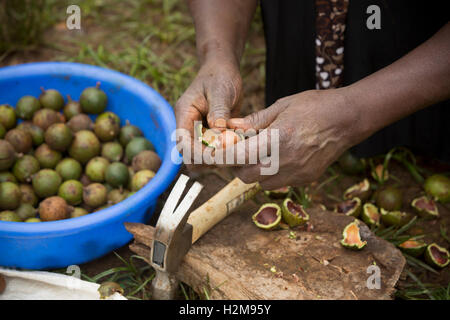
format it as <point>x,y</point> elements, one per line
<point>220,123</point>
<point>237,121</point>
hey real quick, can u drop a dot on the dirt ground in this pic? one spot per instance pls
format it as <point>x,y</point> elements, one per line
<point>154,41</point>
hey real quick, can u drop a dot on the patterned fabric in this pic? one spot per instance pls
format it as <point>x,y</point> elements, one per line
<point>330,30</point>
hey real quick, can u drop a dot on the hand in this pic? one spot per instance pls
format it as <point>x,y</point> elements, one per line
<point>215,93</point>
<point>315,128</point>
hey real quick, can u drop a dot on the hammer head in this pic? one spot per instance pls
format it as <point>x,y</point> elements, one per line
<point>169,248</point>
<point>172,238</point>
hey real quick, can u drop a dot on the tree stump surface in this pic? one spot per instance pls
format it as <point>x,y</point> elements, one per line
<point>237,260</point>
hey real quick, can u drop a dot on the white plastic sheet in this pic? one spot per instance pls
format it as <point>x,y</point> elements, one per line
<point>41,285</point>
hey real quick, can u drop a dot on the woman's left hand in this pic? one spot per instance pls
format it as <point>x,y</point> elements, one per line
<point>315,128</point>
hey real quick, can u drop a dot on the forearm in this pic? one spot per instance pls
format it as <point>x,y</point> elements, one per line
<point>417,80</point>
<point>221,27</point>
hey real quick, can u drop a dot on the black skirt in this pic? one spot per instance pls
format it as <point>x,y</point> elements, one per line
<point>289,27</point>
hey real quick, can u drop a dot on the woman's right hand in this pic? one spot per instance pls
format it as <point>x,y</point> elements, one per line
<point>215,93</point>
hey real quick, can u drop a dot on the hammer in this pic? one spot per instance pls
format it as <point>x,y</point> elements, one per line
<point>176,229</point>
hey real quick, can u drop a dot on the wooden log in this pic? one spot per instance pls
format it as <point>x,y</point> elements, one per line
<point>142,233</point>
<point>237,260</point>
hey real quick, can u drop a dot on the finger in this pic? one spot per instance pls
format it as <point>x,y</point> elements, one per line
<point>249,174</point>
<point>242,153</point>
<point>260,148</point>
<point>220,102</point>
<point>273,183</point>
<point>259,120</point>
<point>186,114</point>
<point>187,110</point>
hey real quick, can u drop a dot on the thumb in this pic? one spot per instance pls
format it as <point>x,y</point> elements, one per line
<point>259,120</point>
<point>223,97</point>
<point>219,111</point>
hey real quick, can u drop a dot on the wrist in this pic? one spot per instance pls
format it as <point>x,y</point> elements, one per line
<point>213,51</point>
<point>355,103</point>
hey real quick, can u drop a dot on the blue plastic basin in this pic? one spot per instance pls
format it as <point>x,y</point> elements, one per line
<point>61,243</point>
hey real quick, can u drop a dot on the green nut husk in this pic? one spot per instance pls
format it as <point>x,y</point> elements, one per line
<point>51,99</point>
<point>44,118</point>
<point>26,107</point>
<point>113,151</point>
<point>7,116</point>
<point>351,207</point>
<point>69,169</point>
<point>80,122</point>
<point>146,160</point>
<point>71,191</point>
<point>140,179</point>
<point>78,212</point>
<point>425,207</point>
<point>117,175</point>
<point>395,218</point>
<point>351,238</point>
<point>117,195</point>
<point>36,133</point>
<point>10,196</point>
<point>279,193</point>
<point>360,190</point>
<point>293,214</point>
<point>20,139</point>
<point>25,167</point>
<point>108,288</point>
<point>46,183</point>
<point>28,195</point>
<point>371,215</point>
<point>96,169</point>
<point>413,247</point>
<point>95,195</point>
<point>26,211</point>
<point>380,174</point>
<point>438,187</point>
<point>268,216</point>
<point>351,164</point>
<point>31,220</point>
<point>135,146</point>
<point>93,100</point>
<point>389,198</point>
<point>58,136</point>
<point>107,126</point>
<point>85,146</point>
<point>7,155</point>
<point>127,133</point>
<point>72,108</point>
<point>7,176</point>
<point>437,256</point>
<point>47,157</point>
<point>9,216</point>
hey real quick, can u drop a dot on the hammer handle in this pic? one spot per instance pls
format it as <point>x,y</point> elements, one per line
<point>219,206</point>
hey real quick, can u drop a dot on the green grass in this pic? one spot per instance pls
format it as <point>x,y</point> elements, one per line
<point>421,291</point>
<point>22,24</point>
<point>133,279</point>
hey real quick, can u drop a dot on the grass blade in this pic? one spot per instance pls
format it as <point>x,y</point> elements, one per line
<point>417,263</point>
